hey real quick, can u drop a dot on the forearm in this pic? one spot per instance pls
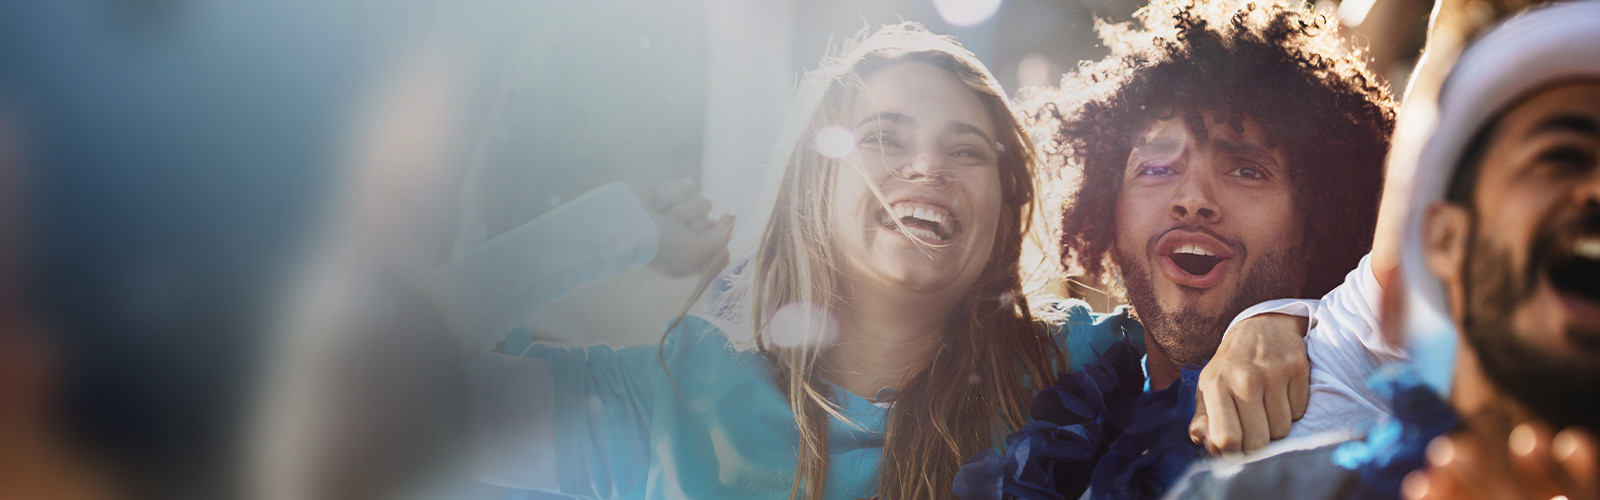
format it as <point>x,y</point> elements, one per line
<point>491,288</point>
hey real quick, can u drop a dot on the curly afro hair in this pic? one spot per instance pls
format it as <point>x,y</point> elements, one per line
<point>1284,66</point>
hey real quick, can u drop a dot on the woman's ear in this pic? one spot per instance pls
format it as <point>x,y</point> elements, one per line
<point>1445,229</point>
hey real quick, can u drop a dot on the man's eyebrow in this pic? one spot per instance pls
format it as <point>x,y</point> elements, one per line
<point>1245,149</point>
<point>1143,151</point>
<point>967,128</point>
<point>1582,124</point>
<point>889,116</point>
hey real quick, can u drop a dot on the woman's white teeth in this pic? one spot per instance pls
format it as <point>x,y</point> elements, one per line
<point>933,215</point>
<point>927,215</point>
<point>1587,247</point>
<point>1195,249</point>
<point>921,233</point>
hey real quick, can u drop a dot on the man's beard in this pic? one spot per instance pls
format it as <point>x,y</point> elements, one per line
<point>1560,389</point>
<point>1189,335</point>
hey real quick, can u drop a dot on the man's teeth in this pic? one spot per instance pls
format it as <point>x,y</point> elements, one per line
<point>1195,249</point>
<point>1587,247</point>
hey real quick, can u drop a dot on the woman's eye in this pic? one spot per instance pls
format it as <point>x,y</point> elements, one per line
<point>1250,172</point>
<point>879,140</point>
<point>971,153</point>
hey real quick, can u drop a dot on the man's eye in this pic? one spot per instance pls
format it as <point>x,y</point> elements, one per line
<point>1154,170</point>
<point>1567,158</point>
<point>1249,172</point>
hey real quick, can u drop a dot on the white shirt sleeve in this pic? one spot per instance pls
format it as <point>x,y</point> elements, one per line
<point>494,286</point>
<point>1346,346</point>
<point>1293,307</point>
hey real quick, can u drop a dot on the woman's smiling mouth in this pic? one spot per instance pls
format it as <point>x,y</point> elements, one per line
<point>928,222</point>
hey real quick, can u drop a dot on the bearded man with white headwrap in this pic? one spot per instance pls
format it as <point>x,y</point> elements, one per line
<point>1501,255</point>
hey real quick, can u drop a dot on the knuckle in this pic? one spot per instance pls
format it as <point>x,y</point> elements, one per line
<point>1240,373</point>
<point>1298,363</point>
<point>1225,442</point>
<point>1249,389</point>
<point>1241,378</point>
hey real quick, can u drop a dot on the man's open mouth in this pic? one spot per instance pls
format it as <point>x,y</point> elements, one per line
<point>926,222</point>
<point>1194,259</point>
<point>1575,269</point>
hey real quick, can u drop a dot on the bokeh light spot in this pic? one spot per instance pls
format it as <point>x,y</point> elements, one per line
<point>1033,71</point>
<point>835,142</point>
<point>966,12</point>
<point>800,324</point>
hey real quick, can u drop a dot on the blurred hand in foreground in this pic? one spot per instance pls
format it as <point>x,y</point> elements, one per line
<point>691,243</point>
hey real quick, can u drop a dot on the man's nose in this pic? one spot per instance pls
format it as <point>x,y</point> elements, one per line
<point>1588,189</point>
<point>1194,203</point>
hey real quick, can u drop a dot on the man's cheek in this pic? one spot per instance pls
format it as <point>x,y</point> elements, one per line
<point>1129,230</point>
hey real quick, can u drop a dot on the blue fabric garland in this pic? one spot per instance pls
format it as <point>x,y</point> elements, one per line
<point>1096,430</point>
<point>1397,446</point>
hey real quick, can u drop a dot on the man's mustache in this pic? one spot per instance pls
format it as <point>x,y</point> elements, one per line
<point>1553,243</point>
<point>1235,245</point>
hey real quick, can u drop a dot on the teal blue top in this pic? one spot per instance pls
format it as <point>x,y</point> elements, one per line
<point>623,430</point>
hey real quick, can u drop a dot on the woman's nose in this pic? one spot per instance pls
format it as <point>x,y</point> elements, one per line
<point>928,166</point>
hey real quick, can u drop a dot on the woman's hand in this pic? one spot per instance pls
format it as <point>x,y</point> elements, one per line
<point>1532,463</point>
<point>1255,387</point>
<point>690,242</point>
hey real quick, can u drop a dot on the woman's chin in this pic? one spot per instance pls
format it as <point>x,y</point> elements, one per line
<point>896,265</point>
<point>919,280</point>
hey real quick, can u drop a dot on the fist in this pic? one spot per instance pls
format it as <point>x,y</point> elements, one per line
<point>1255,388</point>
<point>691,243</point>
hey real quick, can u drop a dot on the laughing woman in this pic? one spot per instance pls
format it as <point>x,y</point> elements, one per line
<point>877,336</point>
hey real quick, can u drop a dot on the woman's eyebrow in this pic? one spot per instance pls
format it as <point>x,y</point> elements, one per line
<point>889,116</point>
<point>967,128</point>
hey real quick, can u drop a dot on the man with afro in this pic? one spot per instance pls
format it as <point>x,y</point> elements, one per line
<point>1224,154</point>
